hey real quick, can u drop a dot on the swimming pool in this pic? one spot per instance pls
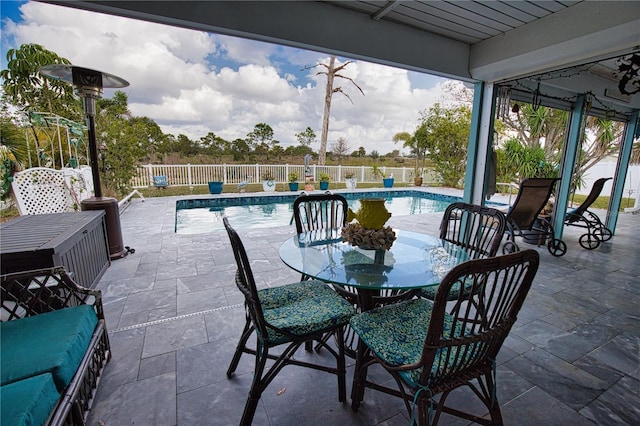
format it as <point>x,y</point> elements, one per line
<point>200,216</point>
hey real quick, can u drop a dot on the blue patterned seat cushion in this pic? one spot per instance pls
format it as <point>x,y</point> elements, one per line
<point>396,333</point>
<point>303,308</point>
<point>454,292</point>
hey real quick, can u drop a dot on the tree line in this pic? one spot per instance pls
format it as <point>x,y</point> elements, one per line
<point>528,140</point>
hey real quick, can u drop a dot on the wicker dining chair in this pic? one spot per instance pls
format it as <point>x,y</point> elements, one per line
<point>319,211</point>
<point>430,352</point>
<point>289,315</point>
<point>476,229</point>
<point>313,212</point>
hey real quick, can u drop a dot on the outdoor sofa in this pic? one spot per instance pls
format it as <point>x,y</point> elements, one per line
<point>53,349</point>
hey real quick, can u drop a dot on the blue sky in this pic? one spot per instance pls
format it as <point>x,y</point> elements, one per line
<point>192,82</point>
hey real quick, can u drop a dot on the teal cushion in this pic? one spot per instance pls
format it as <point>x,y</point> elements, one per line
<point>29,401</point>
<point>454,291</point>
<point>303,308</point>
<point>396,333</point>
<point>52,342</point>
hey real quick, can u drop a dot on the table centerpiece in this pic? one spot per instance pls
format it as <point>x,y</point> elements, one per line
<point>369,232</point>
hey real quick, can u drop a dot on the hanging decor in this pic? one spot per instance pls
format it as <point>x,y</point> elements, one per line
<point>536,101</point>
<point>503,102</point>
<point>629,74</point>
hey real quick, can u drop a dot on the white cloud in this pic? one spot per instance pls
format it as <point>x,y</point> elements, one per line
<point>193,83</point>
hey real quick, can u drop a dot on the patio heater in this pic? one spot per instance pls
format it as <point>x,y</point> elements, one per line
<point>88,84</point>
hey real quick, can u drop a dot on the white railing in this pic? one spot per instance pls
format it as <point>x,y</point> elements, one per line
<point>511,186</point>
<point>202,174</point>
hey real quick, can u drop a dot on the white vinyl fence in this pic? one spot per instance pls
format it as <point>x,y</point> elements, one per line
<point>202,174</point>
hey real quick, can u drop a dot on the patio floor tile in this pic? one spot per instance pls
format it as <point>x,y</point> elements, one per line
<point>175,316</point>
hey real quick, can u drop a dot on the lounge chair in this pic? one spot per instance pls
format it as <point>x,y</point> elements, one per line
<point>524,215</point>
<point>583,218</point>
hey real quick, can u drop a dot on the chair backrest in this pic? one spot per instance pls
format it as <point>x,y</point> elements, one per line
<point>469,337</point>
<point>319,211</point>
<point>245,280</point>
<point>35,292</point>
<point>532,197</point>
<point>41,190</point>
<point>477,229</point>
<point>596,189</point>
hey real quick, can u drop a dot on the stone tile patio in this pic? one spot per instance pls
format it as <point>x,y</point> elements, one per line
<point>174,317</point>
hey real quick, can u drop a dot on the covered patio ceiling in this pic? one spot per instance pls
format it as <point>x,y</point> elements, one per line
<point>545,51</point>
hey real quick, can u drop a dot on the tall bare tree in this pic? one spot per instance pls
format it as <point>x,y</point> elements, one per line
<point>332,72</point>
<point>340,148</point>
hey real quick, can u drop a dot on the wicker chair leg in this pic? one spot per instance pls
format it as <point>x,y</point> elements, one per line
<point>493,405</point>
<point>257,387</point>
<point>341,366</point>
<point>359,377</point>
<point>246,333</point>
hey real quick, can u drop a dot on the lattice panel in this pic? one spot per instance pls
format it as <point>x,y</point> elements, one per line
<point>40,190</point>
<point>44,290</point>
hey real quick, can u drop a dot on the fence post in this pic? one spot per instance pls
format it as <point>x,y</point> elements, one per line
<point>258,178</point>
<point>224,173</point>
<point>361,173</point>
<point>150,172</point>
<point>339,172</point>
<point>189,175</point>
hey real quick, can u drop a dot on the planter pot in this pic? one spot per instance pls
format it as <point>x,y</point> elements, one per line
<point>215,187</point>
<point>269,185</point>
<point>351,183</point>
<point>324,185</point>
<point>387,182</point>
<point>293,186</point>
<point>417,181</point>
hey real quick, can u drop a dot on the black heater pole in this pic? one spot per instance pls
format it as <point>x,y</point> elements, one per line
<point>88,85</point>
<point>93,154</point>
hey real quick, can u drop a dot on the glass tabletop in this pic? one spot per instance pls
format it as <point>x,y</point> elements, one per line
<point>415,260</point>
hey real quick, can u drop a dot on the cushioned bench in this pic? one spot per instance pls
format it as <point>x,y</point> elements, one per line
<point>53,348</point>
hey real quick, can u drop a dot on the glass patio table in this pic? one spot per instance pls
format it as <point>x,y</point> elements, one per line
<point>414,260</point>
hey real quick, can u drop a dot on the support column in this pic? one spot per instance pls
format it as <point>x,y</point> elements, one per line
<point>631,128</point>
<point>569,155</point>
<point>480,140</point>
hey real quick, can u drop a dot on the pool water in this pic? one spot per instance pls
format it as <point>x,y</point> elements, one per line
<point>205,215</point>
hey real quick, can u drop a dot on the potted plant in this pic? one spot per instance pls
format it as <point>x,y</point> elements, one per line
<point>350,180</point>
<point>417,177</point>
<point>293,181</point>
<point>215,185</point>
<point>387,181</point>
<point>324,181</point>
<point>268,181</point>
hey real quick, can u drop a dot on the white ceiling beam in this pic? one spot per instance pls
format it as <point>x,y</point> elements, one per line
<point>582,33</point>
<point>303,24</point>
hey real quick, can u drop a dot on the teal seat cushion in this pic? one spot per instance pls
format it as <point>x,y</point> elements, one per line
<point>454,292</point>
<point>396,333</point>
<point>303,308</point>
<point>52,342</point>
<point>29,401</point>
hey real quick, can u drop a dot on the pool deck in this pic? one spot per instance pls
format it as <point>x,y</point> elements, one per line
<point>174,317</point>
